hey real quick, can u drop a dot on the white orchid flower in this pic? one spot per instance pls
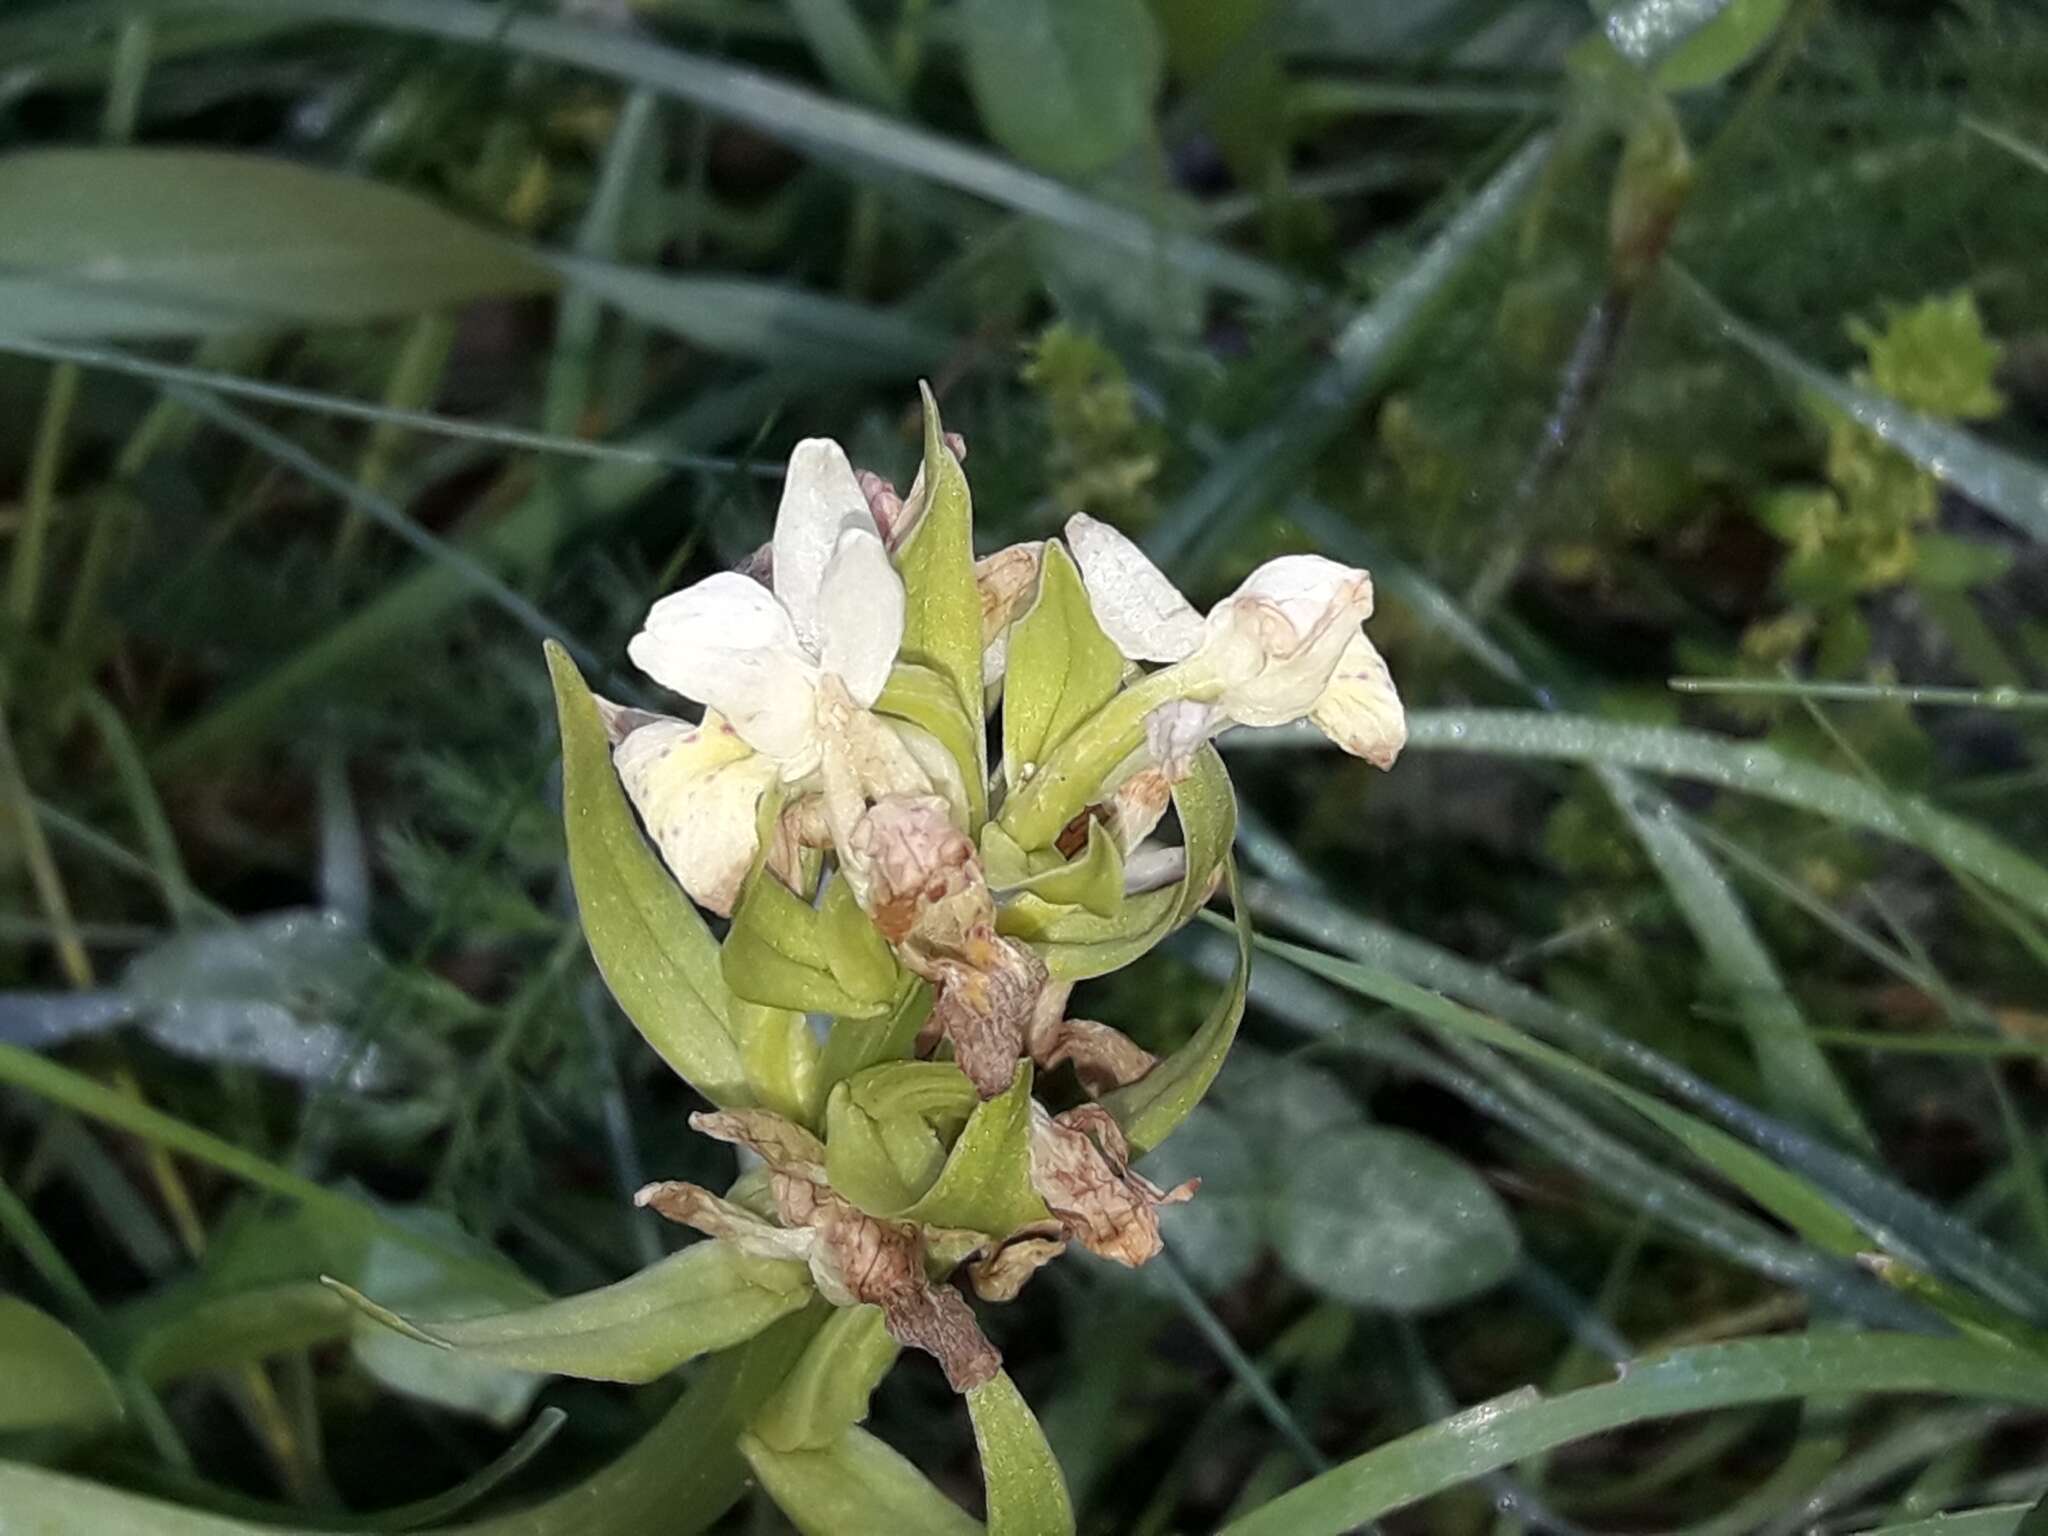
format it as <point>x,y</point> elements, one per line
<point>1286,645</point>
<point>783,674</point>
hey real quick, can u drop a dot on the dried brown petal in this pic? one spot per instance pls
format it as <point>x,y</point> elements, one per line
<point>929,898</point>
<point>697,1208</point>
<point>782,1144</point>
<point>1137,805</point>
<point>1080,1164</point>
<point>1103,1058</point>
<point>1001,1274</point>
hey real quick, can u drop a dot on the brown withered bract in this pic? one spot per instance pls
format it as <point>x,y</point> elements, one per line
<point>1080,1165</point>
<point>928,897</point>
<point>856,1259</point>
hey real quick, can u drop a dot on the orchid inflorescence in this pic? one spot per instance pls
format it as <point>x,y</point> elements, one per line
<point>907,920</point>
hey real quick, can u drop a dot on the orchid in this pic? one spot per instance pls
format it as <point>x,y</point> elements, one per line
<point>787,674</point>
<point>1285,646</point>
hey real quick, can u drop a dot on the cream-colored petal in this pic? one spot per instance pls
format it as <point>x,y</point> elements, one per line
<point>1360,710</point>
<point>697,788</point>
<point>1007,581</point>
<point>860,615</point>
<point>1142,612</point>
<point>821,498</point>
<point>727,643</point>
<point>1276,641</point>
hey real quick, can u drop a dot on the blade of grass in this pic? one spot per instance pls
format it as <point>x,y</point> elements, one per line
<point>835,130</point>
<point>1741,765</point>
<point>1862,693</point>
<point>1523,1424</point>
<point>1905,1221</point>
<point>2002,483</point>
<point>1365,352</point>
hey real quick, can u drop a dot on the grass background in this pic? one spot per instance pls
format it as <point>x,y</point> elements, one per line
<point>1618,1018</point>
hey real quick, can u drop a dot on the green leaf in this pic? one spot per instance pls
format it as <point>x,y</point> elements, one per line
<point>854,1484</point>
<point>1734,32</point>
<point>777,954</point>
<point>986,1183</point>
<point>680,1478</point>
<point>650,945</point>
<point>1525,1424</point>
<point>828,1392</point>
<point>181,242</point>
<point>1150,1109</point>
<point>942,622</point>
<point>705,1298</point>
<point>48,1378</point>
<point>769,322</point>
<point>1027,1495</point>
<point>1061,667</point>
<point>1066,85</point>
<point>926,699</point>
<point>1379,1218</point>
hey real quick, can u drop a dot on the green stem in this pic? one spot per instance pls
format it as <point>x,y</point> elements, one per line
<point>1064,784</point>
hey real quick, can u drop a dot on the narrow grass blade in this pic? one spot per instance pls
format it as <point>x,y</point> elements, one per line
<point>1746,766</point>
<point>2002,483</point>
<point>1795,1071</point>
<point>1364,354</point>
<point>1905,1221</point>
<point>836,130</point>
<point>1862,693</point>
<point>1523,1424</point>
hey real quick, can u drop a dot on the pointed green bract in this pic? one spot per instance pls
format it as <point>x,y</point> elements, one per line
<point>708,1297</point>
<point>986,1183</point>
<point>650,945</point>
<point>1060,669</point>
<point>50,1380</point>
<point>881,1162</point>
<point>1027,1495</point>
<point>854,1484</point>
<point>1150,1109</point>
<point>856,1044</point>
<point>1090,883</point>
<point>781,1055</point>
<point>827,1394</point>
<point>777,953</point>
<point>928,700</point>
<point>942,620</point>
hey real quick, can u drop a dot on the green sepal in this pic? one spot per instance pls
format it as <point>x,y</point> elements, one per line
<point>650,944</point>
<point>1061,667</point>
<point>777,954</point>
<point>856,1044</point>
<point>927,699</point>
<point>828,1392</point>
<point>986,1183</point>
<point>934,1091</point>
<point>1092,883</point>
<point>708,1297</point>
<point>860,958</point>
<point>781,1054</point>
<point>857,1483</point>
<point>1027,1493</point>
<point>942,622</point>
<point>1077,944</point>
<point>882,1163</point>
<point>1150,1109</point>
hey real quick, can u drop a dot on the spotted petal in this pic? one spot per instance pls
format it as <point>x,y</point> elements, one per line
<point>860,615</point>
<point>821,499</point>
<point>1360,711</point>
<point>1142,612</point>
<point>727,643</point>
<point>696,787</point>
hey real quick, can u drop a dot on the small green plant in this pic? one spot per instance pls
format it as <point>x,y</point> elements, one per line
<point>907,923</point>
